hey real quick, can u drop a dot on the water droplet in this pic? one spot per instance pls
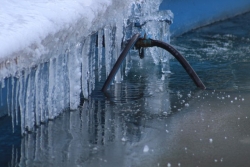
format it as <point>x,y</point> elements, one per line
<point>145,149</point>
<point>179,164</point>
<point>215,160</point>
<point>167,131</point>
<point>211,140</point>
<point>235,98</point>
<point>187,105</point>
<point>232,101</point>
<point>124,139</point>
<point>169,165</point>
<point>242,99</point>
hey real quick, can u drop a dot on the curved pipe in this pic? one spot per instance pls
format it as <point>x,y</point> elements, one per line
<point>182,60</point>
<point>119,61</point>
<point>139,43</point>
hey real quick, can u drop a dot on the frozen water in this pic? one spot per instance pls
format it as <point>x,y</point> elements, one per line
<point>92,135</point>
<point>53,52</point>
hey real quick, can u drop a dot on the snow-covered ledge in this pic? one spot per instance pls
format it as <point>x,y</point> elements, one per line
<point>34,31</point>
<point>45,49</point>
<point>51,51</point>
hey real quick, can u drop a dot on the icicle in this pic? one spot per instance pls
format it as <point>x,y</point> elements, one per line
<point>3,83</point>
<point>107,38</point>
<point>85,67</point>
<point>16,100</point>
<point>113,56</point>
<point>51,106</point>
<point>92,64</point>
<point>100,43</point>
<point>118,41</point>
<point>74,79</point>
<point>8,96</point>
<point>30,96</point>
<point>65,74</point>
<point>1,98</point>
<point>59,85</point>
<point>12,95</point>
<point>22,97</point>
<point>43,94</point>
<point>38,95</point>
<point>12,104</point>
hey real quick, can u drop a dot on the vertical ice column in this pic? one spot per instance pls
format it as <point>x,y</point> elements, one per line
<point>44,93</point>
<point>85,67</point>
<point>74,68</point>
<point>107,38</point>
<point>39,100</point>
<point>29,116</point>
<point>92,63</point>
<point>117,51</point>
<point>16,103</point>
<point>22,97</point>
<point>100,47</point>
<point>58,86</point>
<point>52,87</point>
<point>65,79</point>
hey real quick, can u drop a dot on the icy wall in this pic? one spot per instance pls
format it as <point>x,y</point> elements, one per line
<point>53,51</point>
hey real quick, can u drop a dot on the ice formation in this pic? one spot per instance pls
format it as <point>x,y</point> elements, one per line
<point>51,51</point>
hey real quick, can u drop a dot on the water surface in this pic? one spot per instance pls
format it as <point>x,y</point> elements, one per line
<point>159,119</point>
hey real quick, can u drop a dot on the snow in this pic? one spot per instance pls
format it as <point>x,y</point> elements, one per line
<point>25,22</point>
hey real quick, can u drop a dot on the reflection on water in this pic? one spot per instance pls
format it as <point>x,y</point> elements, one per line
<point>155,119</point>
